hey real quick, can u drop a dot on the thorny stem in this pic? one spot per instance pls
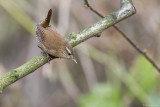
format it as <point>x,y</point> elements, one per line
<point>86,3</point>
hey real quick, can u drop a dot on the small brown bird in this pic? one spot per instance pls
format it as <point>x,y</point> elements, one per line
<point>51,42</point>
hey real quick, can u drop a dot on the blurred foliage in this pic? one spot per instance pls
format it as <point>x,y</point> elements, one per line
<point>18,14</point>
<point>102,95</point>
<point>109,94</point>
<point>145,74</point>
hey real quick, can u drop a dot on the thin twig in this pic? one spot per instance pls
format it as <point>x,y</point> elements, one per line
<point>86,3</point>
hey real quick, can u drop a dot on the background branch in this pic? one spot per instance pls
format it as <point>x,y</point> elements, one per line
<point>126,10</point>
<point>143,52</point>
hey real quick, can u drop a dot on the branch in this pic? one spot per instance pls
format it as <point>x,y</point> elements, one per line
<point>126,10</point>
<point>125,36</point>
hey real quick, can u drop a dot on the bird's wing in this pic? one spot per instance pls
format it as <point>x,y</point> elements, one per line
<point>48,37</point>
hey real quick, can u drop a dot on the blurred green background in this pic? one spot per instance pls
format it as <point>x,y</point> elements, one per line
<point>109,73</point>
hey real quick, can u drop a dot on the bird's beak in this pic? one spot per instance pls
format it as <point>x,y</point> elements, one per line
<point>74,59</point>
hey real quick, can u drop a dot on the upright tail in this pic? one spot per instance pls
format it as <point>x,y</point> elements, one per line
<point>46,22</point>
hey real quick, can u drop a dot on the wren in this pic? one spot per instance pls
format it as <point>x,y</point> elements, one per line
<point>50,41</point>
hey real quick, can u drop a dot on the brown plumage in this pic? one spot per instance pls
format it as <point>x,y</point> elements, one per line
<point>51,42</point>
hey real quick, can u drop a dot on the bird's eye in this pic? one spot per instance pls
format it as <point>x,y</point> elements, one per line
<point>68,51</point>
